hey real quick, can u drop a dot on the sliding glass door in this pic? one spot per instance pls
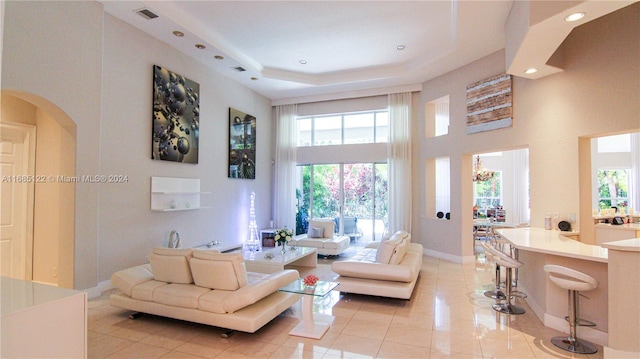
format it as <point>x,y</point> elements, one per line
<point>353,195</point>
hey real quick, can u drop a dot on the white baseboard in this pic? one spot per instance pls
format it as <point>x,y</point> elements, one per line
<point>449,257</point>
<point>610,353</point>
<point>586,333</point>
<point>97,291</point>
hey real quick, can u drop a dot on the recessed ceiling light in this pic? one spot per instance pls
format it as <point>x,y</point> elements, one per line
<point>303,62</point>
<point>575,16</point>
<point>218,57</point>
<point>254,79</point>
<point>400,47</point>
<point>178,33</point>
<point>530,71</point>
<point>200,46</point>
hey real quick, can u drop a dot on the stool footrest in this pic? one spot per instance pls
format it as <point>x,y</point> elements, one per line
<point>583,322</point>
<point>574,346</point>
<point>507,308</point>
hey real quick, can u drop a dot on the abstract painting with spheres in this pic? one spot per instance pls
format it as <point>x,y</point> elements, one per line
<point>176,117</point>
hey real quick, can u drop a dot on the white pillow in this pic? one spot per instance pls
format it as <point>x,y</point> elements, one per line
<point>327,224</point>
<point>399,252</point>
<point>214,270</point>
<point>171,265</point>
<point>317,232</point>
<point>386,249</point>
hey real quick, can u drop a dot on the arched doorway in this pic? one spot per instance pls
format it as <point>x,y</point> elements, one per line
<point>49,203</point>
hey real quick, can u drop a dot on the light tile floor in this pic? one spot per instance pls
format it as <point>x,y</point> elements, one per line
<point>447,317</point>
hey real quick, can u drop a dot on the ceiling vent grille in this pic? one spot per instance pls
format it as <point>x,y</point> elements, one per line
<point>146,13</point>
<point>239,69</point>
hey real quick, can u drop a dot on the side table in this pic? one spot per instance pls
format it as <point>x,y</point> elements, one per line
<point>312,325</point>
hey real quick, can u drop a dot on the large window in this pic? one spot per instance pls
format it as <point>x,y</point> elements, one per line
<point>348,128</point>
<point>488,194</point>
<point>613,188</point>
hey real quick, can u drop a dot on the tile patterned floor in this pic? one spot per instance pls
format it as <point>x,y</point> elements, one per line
<point>447,317</point>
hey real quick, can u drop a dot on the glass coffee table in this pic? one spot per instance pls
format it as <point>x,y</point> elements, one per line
<point>312,325</point>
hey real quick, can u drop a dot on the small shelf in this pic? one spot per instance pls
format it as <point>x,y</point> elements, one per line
<point>170,194</point>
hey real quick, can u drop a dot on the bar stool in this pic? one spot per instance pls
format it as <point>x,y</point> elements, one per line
<point>574,282</point>
<point>496,293</point>
<point>500,244</point>
<point>509,264</point>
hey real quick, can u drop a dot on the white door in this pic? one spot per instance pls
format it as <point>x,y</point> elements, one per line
<point>16,200</point>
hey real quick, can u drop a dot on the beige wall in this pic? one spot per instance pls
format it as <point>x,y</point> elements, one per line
<point>597,93</point>
<point>73,61</point>
<point>53,217</point>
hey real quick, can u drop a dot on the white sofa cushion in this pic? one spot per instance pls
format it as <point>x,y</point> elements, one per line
<point>225,271</point>
<point>179,295</point>
<point>144,291</point>
<point>127,279</point>
<point>213,301</point>
<point>171,265</point>
<point>327,226</point>
<point>258,289</point>
<point>377,271</point>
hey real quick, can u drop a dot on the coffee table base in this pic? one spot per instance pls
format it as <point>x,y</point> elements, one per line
<point>312,325</point>
<point>314,329</point>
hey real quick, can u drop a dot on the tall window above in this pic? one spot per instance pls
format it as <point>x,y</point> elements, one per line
<point>437,117</point>
<point>348,128</point>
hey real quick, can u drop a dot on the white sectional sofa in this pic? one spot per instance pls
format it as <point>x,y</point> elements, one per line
<point>204,286</point>
<point>320,236</point>
<point>388,268</point>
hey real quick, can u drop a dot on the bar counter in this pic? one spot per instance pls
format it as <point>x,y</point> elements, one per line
<point>537,247</point>
<point>612,305</point>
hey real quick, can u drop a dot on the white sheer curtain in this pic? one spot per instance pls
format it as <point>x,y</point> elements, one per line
<point>443,184</point>
<point>520,187</point>
<point>285,167</point>
<point>399,157</point>
<point>634,176</point>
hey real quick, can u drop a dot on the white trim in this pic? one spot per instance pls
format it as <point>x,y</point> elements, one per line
<point>97,291</point>
<point>449,257</point>
<point>348,94</point>
<point>610,353</point>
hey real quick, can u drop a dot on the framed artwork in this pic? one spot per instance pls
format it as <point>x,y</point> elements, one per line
<point>176,117</point>
<point>242,145</point>
<point>489,104</point>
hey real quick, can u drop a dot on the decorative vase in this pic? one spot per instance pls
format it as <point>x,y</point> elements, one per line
<point>283,248</point>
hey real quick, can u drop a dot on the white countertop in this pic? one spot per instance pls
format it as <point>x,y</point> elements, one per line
<point>621,227</point>
<point>18,295</point>
<point>627,245</point>
<point>553,242</point>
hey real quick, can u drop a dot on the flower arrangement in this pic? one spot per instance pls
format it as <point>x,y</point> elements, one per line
<point>310,280</point>
<point>283,235</point>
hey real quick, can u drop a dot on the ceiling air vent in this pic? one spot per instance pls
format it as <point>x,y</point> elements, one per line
<point>239,69</point>
<point>146,13</point>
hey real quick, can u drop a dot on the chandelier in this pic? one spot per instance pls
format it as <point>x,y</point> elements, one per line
<point>479,174</point>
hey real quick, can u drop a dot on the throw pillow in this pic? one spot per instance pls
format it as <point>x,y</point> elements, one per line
<point>317,232</point>
<point>214,270</point>
<point>171,265</point>
<point>399,252</point>
<point>386,249</point>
